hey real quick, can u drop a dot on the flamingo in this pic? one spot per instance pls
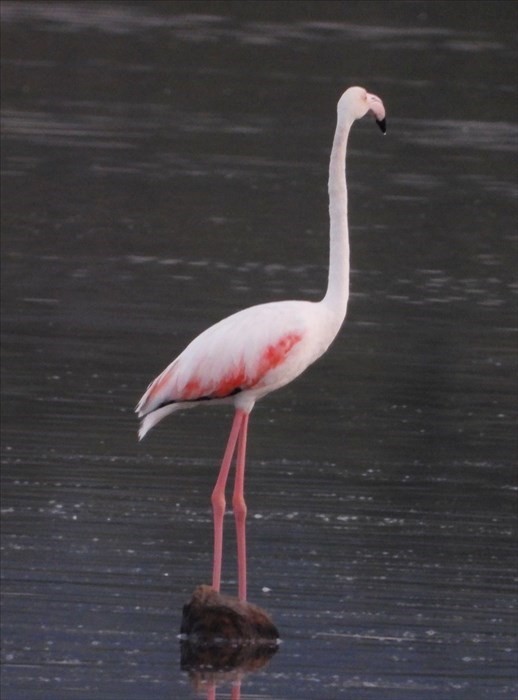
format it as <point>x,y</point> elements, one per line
<point>262,348</point>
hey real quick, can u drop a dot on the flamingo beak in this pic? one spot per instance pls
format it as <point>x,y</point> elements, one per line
<point>382,123</point>
<point>377,108</point>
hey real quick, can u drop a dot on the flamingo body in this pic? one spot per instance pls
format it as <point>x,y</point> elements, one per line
<point>255,351</point>
<point>242,358</point>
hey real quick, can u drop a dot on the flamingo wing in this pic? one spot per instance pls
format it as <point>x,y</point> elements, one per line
<point>259,348</point>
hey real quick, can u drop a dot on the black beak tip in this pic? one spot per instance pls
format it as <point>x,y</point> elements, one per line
<point>382,123</point>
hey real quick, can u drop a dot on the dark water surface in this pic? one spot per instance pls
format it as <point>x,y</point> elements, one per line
<point>165,164</point>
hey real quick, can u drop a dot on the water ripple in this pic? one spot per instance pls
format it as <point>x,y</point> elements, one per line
<point>452,133</point>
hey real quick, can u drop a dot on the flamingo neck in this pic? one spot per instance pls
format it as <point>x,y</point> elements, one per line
<point>337,293</point>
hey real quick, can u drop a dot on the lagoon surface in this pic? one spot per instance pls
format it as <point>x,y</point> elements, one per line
<point>164,164</point>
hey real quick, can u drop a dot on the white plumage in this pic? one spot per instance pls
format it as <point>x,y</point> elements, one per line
<point>245,356</point>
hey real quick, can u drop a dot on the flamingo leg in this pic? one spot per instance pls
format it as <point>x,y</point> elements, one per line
<point>218,498</point>
<point>239,506</point>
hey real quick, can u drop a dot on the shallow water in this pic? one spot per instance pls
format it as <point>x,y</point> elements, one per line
<point>164,165</point>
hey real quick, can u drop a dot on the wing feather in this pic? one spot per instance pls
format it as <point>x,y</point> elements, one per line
<point>240,352</point>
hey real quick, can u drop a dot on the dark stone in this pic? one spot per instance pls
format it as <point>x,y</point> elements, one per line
<point>211,616</point>
<point>221,634</point>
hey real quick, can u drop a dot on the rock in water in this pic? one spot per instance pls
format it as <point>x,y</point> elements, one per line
<point>223,638</point>
<point>210,617</point>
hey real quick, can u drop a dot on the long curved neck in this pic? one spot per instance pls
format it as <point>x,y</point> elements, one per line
<point>337,293</point>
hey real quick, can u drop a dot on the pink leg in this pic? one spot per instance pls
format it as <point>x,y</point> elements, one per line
<point>218,499</point>
<point>239,505</point>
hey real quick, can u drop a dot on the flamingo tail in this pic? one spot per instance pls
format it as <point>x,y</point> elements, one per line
<point>151,419</point>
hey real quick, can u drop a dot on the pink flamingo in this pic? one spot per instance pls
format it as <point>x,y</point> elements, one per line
<point>257,350</point>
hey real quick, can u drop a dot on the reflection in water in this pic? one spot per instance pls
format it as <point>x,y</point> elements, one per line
<point>221,662</point>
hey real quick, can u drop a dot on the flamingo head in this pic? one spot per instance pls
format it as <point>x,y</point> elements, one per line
<point>356,102</point>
